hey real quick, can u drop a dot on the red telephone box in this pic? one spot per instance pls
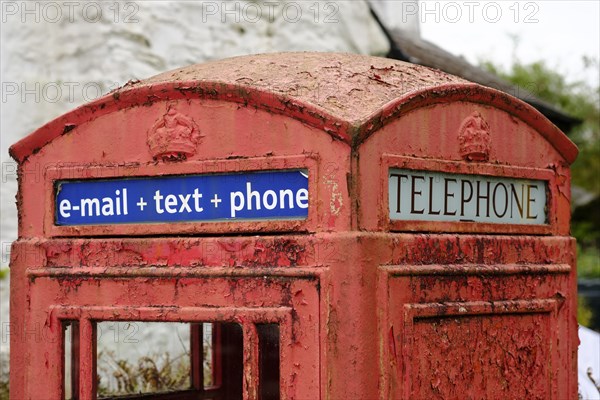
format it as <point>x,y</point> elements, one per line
<point>345,226</point>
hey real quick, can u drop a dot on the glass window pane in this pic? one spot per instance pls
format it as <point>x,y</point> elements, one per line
<point>231,350</point>
<point>142,357</point>
<point>268,359</point>
<point>208,355</point>
<point>71,360</point>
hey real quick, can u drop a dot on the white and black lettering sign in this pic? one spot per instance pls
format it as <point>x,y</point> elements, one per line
<point>437,196</point>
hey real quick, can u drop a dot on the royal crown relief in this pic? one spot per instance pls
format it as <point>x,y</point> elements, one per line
<point>474,138</point>
<point>174,136</point>
<point>420,195</point>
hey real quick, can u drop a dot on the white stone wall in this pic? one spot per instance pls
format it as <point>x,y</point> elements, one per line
<point>57,55</point>
<point>55,58</point>
<point>402,15</point>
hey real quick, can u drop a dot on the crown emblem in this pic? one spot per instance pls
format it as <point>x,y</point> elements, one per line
<point>474,138</point>
<point>173,137</point>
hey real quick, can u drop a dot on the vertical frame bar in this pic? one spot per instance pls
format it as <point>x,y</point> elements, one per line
<point>87,360</point>
<point>75,359</point>
<point>250,383</point>
<point>217,356</point>
<point>269,358</point>
<point>197,356</point>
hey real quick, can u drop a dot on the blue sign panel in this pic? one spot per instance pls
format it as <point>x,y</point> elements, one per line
<point>184,198</point>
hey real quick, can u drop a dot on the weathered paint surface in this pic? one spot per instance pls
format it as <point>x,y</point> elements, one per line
<point>368,307</point>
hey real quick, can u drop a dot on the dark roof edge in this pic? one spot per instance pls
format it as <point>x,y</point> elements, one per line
<point>425,53</point>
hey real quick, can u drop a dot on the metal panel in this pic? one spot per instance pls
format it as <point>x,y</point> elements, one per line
<point>456,331</point>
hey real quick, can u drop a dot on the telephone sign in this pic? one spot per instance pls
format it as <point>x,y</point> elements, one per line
<point>438,196</point>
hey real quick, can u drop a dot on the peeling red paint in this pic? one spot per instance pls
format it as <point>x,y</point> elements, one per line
<point>367,307</point>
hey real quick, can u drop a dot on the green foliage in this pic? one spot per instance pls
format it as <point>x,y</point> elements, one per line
<point>582,101</point>
<point>4,389</point>
<point>4,378</point>
<point>3,273</point>
<point>577,99</point>
<point>588,262</point>
<point>584,312</point>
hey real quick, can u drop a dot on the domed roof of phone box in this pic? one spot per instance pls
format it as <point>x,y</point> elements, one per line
<point>347,95</point>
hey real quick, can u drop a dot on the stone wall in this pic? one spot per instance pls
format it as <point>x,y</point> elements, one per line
<point>58,55</point>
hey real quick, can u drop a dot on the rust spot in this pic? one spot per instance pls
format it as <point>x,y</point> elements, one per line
<point>151,99</point>
<point>68,128</point>
<point>131,82</point>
